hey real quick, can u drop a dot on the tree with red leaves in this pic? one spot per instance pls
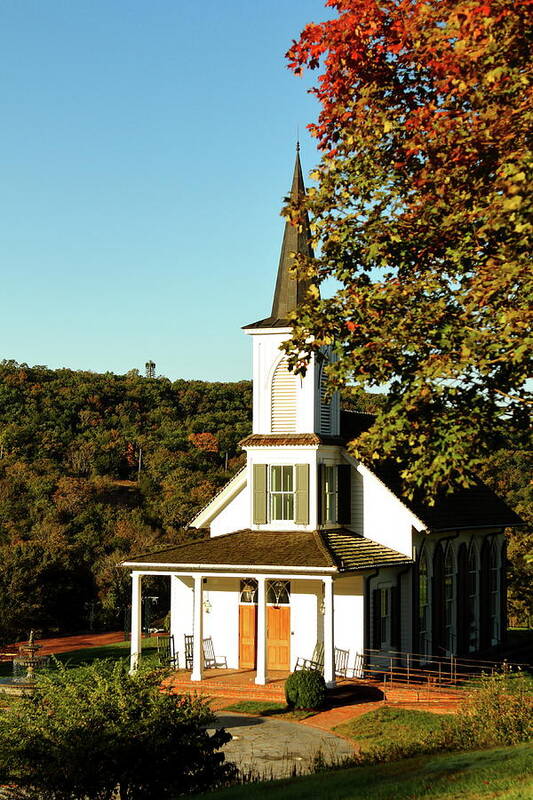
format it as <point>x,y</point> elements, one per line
<point>421,213</point>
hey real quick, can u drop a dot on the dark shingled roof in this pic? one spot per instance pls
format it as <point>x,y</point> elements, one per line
<point>475,507</point>
<point>320,549</point>
<point>353,552</point>
<point>277,548</point>
<point>288,440</point>
<point>290,290</point>
<point>354,423</point>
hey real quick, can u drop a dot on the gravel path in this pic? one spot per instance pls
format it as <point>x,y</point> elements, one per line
<point>276,748</point>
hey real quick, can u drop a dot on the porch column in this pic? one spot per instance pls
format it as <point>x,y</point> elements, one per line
<point>174,616</point>
<point>261,675</point>
<point>198,630</point>
<point>136,615</point>
<point>329,656</point>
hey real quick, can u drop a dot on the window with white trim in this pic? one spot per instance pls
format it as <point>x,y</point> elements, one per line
<point>281,492</point>
<point>329,493</point>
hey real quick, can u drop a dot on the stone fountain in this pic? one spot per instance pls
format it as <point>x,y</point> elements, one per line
<point>25,665</point>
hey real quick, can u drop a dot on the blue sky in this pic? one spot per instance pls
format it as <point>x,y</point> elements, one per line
<point>146,148</point>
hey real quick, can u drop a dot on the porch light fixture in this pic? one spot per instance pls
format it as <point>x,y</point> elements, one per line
<point>207,605</point>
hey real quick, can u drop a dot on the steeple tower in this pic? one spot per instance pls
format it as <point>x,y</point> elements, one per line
<point>284,403</point>
<point>290,290</point>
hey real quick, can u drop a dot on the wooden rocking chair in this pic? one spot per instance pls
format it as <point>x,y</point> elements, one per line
<point>166,653</point>
<point>189,648</point>
<point>316,662</point>
<point>210,659</point>
<point>341,662</point>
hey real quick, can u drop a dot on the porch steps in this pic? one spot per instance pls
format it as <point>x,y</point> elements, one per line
<point>214,688</point>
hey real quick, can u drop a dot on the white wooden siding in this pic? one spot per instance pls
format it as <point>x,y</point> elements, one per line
<point>283,400</point>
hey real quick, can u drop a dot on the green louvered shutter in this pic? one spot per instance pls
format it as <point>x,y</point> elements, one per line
<point>320,493</point>
<point>376,619</point>
<point>301,515</point>
<point>396,616</point>
<point>344,494</point>
<point>260,494</point>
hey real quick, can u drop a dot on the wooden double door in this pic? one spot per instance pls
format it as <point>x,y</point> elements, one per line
<point>278,623</point>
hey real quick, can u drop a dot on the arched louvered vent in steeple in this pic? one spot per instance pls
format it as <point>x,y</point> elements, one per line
<point>283,399</point>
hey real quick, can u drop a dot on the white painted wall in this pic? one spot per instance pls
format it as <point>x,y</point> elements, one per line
<point>181,613</point>
<point>266,356</point>
<point>306,621</point>
<point>235,516</point>
<point>349,615</point>
<point>284,455</point>
<point>378,514</point>
<point>222,621</point>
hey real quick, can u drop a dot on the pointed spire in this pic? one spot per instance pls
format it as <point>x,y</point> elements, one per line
<point>290,289</point>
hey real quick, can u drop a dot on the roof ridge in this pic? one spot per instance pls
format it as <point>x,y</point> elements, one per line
<point>214,497</point>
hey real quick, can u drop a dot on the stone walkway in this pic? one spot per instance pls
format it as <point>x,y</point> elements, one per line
<point>275,748</point>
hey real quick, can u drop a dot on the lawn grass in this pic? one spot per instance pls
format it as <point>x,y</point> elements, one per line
<point>268,709</point>
<point>86,655</point>
<point>116,652</point>
<point>504,773</point>
<point>260,707</point>
<point>389,726</point>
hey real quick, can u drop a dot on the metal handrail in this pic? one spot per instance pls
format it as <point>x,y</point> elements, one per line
<point>405,667</point>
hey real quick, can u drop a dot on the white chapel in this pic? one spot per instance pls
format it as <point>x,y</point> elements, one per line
<point>306,546</point>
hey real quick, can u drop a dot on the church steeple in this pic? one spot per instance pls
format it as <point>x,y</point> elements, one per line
<point>290,290</point>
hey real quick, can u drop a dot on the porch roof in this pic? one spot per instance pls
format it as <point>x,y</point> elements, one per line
<point>354,552</point>
<point>333,550</point>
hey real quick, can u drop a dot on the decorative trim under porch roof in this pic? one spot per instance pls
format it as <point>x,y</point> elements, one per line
<point>336,550</point>
<point>289,440</point>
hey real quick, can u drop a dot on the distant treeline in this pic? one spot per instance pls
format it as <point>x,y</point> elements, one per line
<point>98,467</point>
<point>94,468</point>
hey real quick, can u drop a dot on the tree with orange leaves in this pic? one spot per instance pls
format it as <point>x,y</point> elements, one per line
<point>421,212</point>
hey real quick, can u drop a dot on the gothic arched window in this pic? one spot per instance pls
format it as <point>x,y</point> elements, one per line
<point>423,605</point>
<point>283,399</point>
<point>493,593</point>
<point>278,593</point>
<point>248,593</point>
<point>449,599</point>
<point>472,595</point>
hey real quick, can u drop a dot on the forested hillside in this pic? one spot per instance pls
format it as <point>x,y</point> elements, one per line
<point>73,500</point>
<point>94,468</point>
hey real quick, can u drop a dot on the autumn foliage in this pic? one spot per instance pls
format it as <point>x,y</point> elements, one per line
<point>421,212</point>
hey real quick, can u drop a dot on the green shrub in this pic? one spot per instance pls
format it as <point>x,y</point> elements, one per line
<point>97,732</point>
<point>498,711</point>
<point>305,689</point>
